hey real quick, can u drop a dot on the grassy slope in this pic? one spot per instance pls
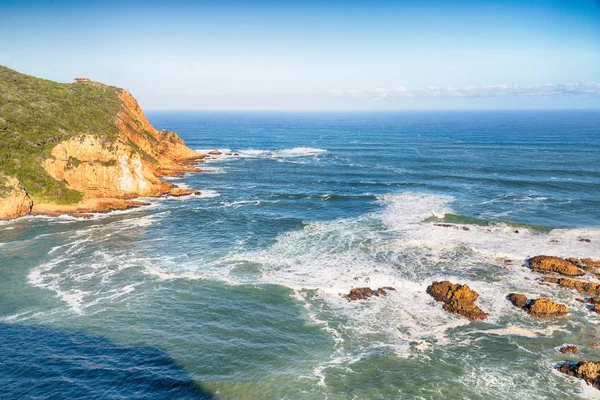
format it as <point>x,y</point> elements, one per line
<point>36,114</point>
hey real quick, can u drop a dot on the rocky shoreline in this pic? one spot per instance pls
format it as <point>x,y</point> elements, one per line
<point>569,273</point>
<point>110,175</point>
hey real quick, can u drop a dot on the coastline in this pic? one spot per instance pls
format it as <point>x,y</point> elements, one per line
<point>99,167</point>
<point>91,205</point>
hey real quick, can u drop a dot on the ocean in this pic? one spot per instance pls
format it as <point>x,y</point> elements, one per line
<point>236,293</point>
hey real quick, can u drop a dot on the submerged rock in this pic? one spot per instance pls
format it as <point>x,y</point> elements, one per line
<point>549,264</point>
<point>363,293</point>
<point>587,370</point>
<point>569,349</point>
<point>464,228</point>
<point>457,299</point>
<point>585,240</point>
<point>542,307</point>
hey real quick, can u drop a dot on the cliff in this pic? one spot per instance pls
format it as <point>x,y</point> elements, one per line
<point>82,147</point>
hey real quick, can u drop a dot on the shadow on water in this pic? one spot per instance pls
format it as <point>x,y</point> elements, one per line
<point>40,362</point>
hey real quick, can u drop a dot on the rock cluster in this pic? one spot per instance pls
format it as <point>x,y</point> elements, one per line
<point>363,293</point>
<point>458,299</point>
<point>542,307</point>
<point>586,370</point>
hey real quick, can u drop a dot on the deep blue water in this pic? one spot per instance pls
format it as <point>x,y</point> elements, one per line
<point>235,294</point>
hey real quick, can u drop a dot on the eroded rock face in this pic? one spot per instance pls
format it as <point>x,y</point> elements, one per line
<point>457,299</point>
<point>549,264</point>
<point>363,293</point>
<point>586,370</point>
<point>14,201</point>
<point>98,168</point>
<point>542,307</point>
<point>127,167</point>
<point>569,349</point>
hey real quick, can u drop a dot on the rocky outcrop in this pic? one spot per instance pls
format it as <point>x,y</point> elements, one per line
<point>457,299</point>
<point>586,370</point>
<point>569,350</point>
<point>214,153</point>
<point>557,265</point>
<point>542,307</point>
<point>591,288</point>
<point>363,293</point>
<point>519,300</point>
<point>14,201</point>
<point>128,167</point>
<point>112,170</point>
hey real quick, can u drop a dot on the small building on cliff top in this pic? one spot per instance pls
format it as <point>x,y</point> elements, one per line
<point>79,80</point>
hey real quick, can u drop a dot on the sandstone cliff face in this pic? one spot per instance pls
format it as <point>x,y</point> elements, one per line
<point>98,168</point>
<point>130,166</point>
<point>14,201</point>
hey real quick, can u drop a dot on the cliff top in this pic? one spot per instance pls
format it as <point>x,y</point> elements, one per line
<point>36,114</point>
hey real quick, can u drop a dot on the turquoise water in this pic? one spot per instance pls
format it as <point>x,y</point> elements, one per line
<point>235,294</point>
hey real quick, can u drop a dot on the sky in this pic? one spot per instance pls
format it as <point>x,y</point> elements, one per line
<point>316,55</point>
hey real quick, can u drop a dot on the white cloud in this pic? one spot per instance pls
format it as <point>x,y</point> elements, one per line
<point>548,90</point>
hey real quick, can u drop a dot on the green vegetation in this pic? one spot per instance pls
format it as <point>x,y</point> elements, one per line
<point>36,114</point>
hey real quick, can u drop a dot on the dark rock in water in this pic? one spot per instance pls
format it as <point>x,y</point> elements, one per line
<point>549,264</point>
<point>457,299</point>
<point>519,300</point>
<point>541,307</point>
<point>516,231</point>
<point>580,300</point>
<point>363,293</point>
<point>587,370</point>
<point>235,154</point>
<point>584,240</point>
<point>569,349</point>
<point>554,241</point>
<point>464,228</point>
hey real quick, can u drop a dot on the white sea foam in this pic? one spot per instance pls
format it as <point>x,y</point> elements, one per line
<point>295,152</point>
<point>208,194</point>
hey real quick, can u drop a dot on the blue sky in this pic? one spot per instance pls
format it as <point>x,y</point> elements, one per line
<point>316,54</point>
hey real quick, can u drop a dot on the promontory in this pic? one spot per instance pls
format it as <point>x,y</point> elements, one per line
<point>73,148</point>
